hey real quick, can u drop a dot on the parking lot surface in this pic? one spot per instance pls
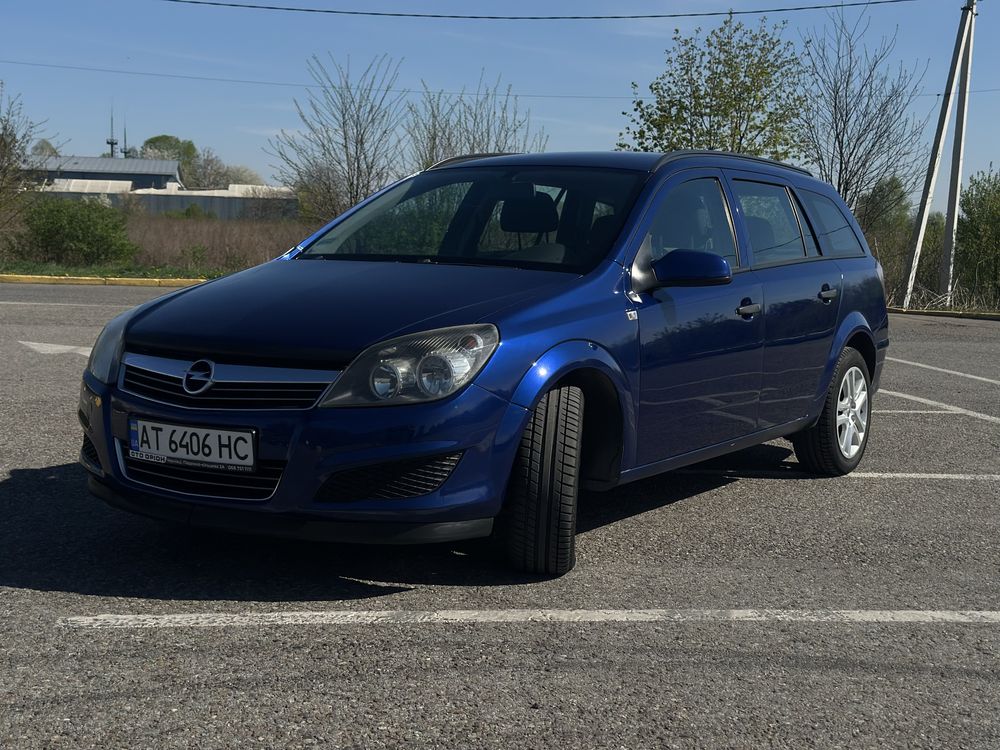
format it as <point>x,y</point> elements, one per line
<point>736,603</point>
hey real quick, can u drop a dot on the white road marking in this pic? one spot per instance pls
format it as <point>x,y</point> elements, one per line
<point>914,475</point>
<point>544,616</point>
<point>57,348</point>
<point>65,304</point>
<point>917,411</point>
<point>790,472</point>
<point>949,407</point>
<point>941,369</point>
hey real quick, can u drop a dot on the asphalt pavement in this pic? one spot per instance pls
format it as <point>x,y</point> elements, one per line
<point>738,603</point>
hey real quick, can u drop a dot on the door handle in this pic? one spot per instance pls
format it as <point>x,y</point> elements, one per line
<point>748,308</point>
<point>827,294</point>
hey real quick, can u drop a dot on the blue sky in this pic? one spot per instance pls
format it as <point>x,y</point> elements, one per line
<point>591,58</point>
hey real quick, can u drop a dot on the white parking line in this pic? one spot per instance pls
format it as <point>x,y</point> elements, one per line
<point>949,407</point>
<point>42,348</point>
<point>941,369</point>
<point>787,473</point>
<point>917,411</point>
<point>544,616</point>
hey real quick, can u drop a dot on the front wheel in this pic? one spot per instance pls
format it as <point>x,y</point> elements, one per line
<point>836,443</point>
<point>539,516</point>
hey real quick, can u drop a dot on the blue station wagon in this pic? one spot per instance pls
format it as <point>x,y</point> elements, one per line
<point>457,356</point>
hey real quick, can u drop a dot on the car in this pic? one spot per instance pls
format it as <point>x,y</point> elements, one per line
<point>460,354</point>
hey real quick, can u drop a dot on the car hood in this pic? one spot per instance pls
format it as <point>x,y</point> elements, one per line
<point>323,313</point>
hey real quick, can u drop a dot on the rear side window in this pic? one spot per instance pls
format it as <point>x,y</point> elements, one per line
<point>693,216</point>
<point>770,222</point>
<point>836,237</point>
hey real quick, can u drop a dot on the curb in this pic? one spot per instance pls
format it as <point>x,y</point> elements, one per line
<point>17,278</point>
<point>947,314</point>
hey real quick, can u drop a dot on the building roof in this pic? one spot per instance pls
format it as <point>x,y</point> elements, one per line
<point>98,187</point>
<point>104,165</point>
<point>233,191</point>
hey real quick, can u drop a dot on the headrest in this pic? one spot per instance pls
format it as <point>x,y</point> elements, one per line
<point>536,213</point>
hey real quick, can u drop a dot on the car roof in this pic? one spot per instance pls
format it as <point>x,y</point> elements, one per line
<point>633,160</point>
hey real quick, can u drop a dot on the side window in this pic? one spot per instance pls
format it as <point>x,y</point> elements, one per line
<point>694,216</point>
<point>812,248</point>
<point>836,235</point>
<point>770,221</point>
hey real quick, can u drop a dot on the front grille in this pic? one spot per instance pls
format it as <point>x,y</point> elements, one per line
<point>390,481</point>
<point>206,482</point>
<point>89,452</point>
<point>169,389</point>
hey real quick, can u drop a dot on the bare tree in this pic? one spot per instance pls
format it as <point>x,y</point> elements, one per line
<point>487,120</point>
<point>207,172</point>
<point>18,166</point>
<point>858,126</point>
<point>348,146</point>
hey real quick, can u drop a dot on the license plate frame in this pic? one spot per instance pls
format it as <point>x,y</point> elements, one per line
<point>158,450</point>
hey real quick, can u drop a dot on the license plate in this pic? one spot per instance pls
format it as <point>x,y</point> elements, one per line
<point>183,445</point>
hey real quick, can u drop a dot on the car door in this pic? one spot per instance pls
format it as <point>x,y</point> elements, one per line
<point>802,291</point>
<point>700,346</point>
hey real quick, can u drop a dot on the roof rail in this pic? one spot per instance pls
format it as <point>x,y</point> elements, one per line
<point>467,157</point>
<point>680,154</point>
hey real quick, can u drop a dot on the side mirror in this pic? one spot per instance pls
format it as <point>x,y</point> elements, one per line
<point>691,268</point>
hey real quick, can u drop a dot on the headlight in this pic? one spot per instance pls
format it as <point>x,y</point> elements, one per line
<point>107,351</point>
<point>420,367</point>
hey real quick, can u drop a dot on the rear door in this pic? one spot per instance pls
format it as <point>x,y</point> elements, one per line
<point>701,358</point>
<point>802,293</point>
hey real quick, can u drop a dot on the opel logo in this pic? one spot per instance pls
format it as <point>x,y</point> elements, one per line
<point>198,377</point>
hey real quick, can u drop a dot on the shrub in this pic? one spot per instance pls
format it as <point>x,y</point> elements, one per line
<point>75,232</point>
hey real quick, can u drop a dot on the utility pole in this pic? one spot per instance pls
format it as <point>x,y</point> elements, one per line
<point>947,266</point>
<point>962,56</point>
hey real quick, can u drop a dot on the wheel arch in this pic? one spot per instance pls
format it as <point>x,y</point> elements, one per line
<point>854,331</point>
<point>609,409</point>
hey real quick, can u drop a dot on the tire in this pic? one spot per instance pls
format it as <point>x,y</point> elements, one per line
<point>836,444</point>
<point>538,522</point>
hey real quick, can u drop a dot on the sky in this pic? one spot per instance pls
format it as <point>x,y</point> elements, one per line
<point>541,60</point>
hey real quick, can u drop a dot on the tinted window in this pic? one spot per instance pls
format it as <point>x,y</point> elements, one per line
<point>513,216</point>
<point>837,238</point>
<point>693,216</point>
<point>812,248</point>
<point>770,222</point>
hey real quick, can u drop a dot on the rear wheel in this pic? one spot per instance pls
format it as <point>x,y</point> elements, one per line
<point>539,517</point>
<point>836,443</point>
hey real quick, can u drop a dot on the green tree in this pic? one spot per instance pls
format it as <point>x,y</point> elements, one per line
<point>735,89</point>
<point>977,256</point>
<point>886,217</point>
<point>170,147</point>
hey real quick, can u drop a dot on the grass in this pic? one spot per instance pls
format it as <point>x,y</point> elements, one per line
<point>180,248</point>
<point>33,268</point>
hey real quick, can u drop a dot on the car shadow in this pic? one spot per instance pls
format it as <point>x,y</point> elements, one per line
<point>54,536</point>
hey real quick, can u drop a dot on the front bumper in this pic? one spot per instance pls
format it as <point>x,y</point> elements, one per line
<point>315,445</point>
<point>289,524</point>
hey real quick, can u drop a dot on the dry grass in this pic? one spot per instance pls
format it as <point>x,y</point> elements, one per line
<point>200,244</point>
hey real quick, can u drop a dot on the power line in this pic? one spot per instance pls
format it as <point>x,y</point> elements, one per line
<point>290,84</point>
<point>461,17</point>
<point>286,84</point>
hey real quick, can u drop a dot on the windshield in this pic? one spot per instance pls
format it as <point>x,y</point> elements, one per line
<point>554,218</point>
